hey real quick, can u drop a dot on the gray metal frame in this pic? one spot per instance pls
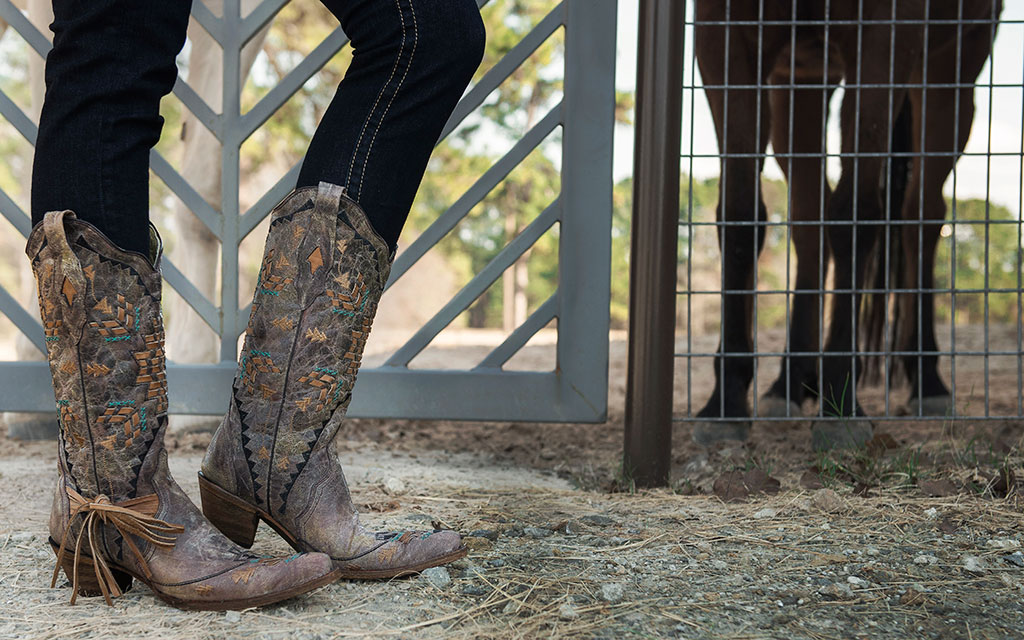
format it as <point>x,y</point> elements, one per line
<point>575,391</point>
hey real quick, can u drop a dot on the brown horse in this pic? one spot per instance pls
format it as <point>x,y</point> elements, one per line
<point>769,69</point>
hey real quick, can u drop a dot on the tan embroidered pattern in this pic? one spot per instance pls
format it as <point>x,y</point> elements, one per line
<point>270,282</point>
<point>316,335</point>
<point>257,363</point>
<point>326,380</point>
<point>151,369</point>
<point>283,323</point>
<point>69,291</point>
<point>97,370</point>
<point>126,415</point>
<point>117,328</point>
<point>315,260</point>
<point>243,575</point>
<point>103,306</point>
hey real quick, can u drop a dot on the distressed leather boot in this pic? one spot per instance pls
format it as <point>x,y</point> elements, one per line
<point>117,513</point>
<point>324,269</point>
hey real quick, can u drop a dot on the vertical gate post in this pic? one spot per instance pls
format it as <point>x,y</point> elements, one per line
<point>652,268</point>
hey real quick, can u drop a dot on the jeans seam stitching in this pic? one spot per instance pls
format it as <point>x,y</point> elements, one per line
<point>401,81</point>
<point>369,116</point>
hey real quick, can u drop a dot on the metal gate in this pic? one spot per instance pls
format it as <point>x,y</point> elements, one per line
<point>576,390</point>
<point>963,310</point>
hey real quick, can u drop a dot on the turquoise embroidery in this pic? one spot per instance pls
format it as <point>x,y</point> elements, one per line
<point>268,292</point>
<point>325,370</point>
<point>121,403</point>
<point>142,412</point>
<point>51,338</point>
<point>63,403</point>
<point>265,354</point>
<point>117,339</point>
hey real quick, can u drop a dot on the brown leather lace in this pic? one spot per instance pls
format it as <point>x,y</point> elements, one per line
<point>130,517</point>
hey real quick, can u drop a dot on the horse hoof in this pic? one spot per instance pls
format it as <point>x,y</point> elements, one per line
<point>708,433</point>
<point>941,406</point>
<point>775,407</point>
<point>828,435</point>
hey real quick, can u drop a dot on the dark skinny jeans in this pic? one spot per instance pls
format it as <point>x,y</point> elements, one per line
<point>113,60</point>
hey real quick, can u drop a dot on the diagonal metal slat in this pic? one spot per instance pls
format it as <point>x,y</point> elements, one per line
<point>10,210</point>
<point>208,20</point>
<point>13,113</point>
<point>476,286</point>
<point>193,296</point>
<point>503,69</point>
<point>34,37</point>
<point>447,220</point>
<point>516,340</point>
<point>262,208</point>
<point>21,319</point>
<point>202,111</point>
<point>291,83</point>
<point>259,17</point>
<point>181,188</point>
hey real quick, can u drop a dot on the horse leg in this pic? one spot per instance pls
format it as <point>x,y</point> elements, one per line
<point>809,196</point>
<point>947,115</point>
<point>741,122</point>
<point>856,212</point>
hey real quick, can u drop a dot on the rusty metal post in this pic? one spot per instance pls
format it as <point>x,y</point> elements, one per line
<point>648,434</point>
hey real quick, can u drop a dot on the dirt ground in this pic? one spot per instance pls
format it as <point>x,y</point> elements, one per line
<point>920,534</point>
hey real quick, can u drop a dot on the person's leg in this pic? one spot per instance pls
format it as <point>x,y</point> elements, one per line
<point>111,63</point>
<point>117,512</point>
<point>411,62</point>
<point>327,259</point>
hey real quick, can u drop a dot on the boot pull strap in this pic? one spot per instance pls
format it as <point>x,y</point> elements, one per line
<point>68,284</point>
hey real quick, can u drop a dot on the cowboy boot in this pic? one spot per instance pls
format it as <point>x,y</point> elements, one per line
<point>117,513</point>
<point>324,269</point>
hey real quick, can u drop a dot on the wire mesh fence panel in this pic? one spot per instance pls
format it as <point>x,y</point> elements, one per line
<point>850,238</point>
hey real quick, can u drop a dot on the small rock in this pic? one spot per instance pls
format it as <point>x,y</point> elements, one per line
<point>859,583</point>
<point>827,500</point>
<point>612,592</point>
<point>438,576</point>
<point>1005,544</point>
<point>394,487</point>
<point>1015,558</point>
<point>974,564</point>
<point>497,562</point>
<point>925,558</point>
<point>511,607</point>
<point>719,564</point>
<point>476,544</point>
<point>490,534</point>
<point>537,532</point>
<point>232,616</point>
<point>598,520</point>
<point>912,597</point>
<point>837,591</point>
<point>474,590</point>
<point>23,537</point>
<point>931,512</point>
<point>568,612</point>
<point>767,512</point>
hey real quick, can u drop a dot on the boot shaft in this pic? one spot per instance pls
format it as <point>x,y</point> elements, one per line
<point>100,308</point>
<point>323,271</point>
